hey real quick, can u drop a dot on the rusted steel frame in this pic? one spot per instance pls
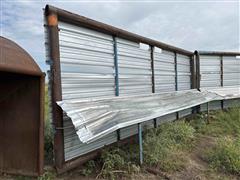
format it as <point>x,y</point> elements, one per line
<point>176,77</point>
<point>41,125</point>
<point>193,72</point>
<point>56,91</point>
<point>221,77</point>
<point>98,26</point>
<point>153,79</point>
<point>197,75</point>
<point>219,53</point>
<point>115,50</point>
<point>193,78</point>
<point>5,68</point>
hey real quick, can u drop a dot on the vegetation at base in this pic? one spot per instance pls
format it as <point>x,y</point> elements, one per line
<point>225,156</point>
<point>165,147</point>
<point>221,123</point>
<point>48,132</point>
<point>48,175</point>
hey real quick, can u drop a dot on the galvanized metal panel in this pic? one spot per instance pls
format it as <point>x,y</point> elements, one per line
<point>184,78</point>
<point>134,65</point>
<point>135,75</point>
<point>210,70</point>
<point>231,71</point>
<point>87,71</point>
<point>231,103</point>
<point>91,123</point>
<point>231,76</point>
<point>164,71</point>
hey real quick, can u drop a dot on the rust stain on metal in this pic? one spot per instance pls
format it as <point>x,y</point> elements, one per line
<point>56,92</point>
<point>52,20</point>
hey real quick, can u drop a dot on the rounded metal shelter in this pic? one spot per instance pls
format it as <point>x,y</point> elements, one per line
<point>21,111</point>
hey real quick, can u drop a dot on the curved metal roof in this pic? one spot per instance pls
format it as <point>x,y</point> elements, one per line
<point>15,59</point>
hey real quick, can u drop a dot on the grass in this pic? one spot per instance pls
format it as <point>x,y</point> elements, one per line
<point>165,146</point>
<point>48,132</point>
<point>221,123</point>
<point>225,156</point>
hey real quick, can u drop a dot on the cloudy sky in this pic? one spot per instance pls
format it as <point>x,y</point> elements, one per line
<point>201,25</point>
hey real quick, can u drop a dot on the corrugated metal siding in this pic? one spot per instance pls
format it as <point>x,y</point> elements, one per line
<point>210,70</point>
<point>134,66</point>
<point>231,71</point>
<point>164,70</point>
<point>184,78</point>
<point>87,70</point>
<point>231,103</point>
<point>135,75</point>
<point>231,76</point>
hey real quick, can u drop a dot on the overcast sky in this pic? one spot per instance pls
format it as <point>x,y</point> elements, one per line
<point>201,25</point>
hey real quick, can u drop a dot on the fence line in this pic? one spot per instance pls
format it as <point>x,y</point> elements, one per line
<point>90,59</point>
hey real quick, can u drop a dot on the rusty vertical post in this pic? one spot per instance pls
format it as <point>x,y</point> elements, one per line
<point>176,77</point>
<point>193,78</point>
<point>198,76</point>
<point>56,92</point>
<point>153,79</point>
<point>116,75</point>
<point>221,78</point>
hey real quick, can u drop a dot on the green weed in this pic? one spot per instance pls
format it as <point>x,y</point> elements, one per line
<point>116,163</point>
<point>48,175</point>
<point>48,132</point>
<point>165,146</point>
<point>89,168</point>
<point>221,123</point>
<point>225,156</point>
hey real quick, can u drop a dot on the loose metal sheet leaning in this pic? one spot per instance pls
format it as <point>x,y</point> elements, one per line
<point>95,118</point>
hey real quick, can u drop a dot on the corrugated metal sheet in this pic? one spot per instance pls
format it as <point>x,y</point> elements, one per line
<point>134,66</point>
<point>231,71</point>
<point>210,70</point>
<point>232,103</point>
<point>231,76</point>
<point>87,71</point>
<point>164,70</point>
<point>96,118</point>
<point>184,78</point>
<point>135,74</point>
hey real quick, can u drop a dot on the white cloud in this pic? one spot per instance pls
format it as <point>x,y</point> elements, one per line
<point>199,25</point>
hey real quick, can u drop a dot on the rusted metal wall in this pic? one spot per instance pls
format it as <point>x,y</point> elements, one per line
<point>21,111</point>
